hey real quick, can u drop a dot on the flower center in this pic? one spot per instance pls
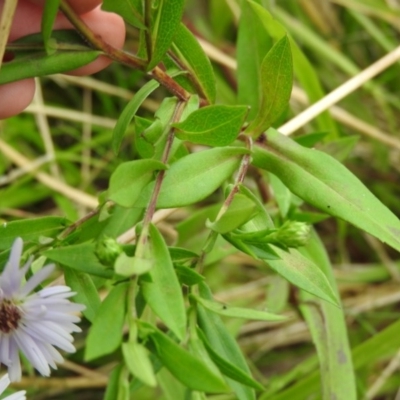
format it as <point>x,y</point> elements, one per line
<point>9,316</point>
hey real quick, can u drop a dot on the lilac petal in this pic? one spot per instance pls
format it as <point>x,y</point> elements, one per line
<point>10,278</point>
<point>32,352</point>
<point>60,317</point>
<point>4,349</point>
<point>53,353</point>
<point>14,365</point>
<point>17,396</point>
<point>55,290</point>
<point>4,382</point>
<point>52,334</point>
<point>36,279</point>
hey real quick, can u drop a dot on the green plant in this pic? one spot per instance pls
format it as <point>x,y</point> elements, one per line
<point>159,323</point>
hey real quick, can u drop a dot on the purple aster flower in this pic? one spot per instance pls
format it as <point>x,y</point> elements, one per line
<point>4,382</point>
<point>34,323</point>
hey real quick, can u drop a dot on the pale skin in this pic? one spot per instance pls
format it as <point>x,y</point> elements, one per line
<point>16,96</point>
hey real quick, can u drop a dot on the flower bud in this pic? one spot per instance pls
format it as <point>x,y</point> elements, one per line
<point>107,251</point>
<point>290,234</point>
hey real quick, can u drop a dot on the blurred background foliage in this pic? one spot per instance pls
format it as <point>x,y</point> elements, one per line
<point>56,157</point>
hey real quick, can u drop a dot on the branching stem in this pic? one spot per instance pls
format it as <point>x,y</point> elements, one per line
<point>120,55</point>
<point>209,244</point>
<point>151,208</point>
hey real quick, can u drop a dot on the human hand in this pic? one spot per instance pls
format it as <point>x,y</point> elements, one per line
<point>16,96</point>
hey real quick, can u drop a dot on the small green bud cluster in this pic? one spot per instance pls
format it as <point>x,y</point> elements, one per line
<point>290,234</point>
<point>107,251</point>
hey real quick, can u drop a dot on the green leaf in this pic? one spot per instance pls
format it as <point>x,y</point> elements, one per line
<point>31,60</point>
<point>43,64</point>
<point>165,23</point>
<point>137,360</point>
<point>223,344</point>
<point>240,211</point>
<point>340,148</point>
<point>129,10</point>
<point>333,189</point>
<point>163,293</point>
<point>276,85</point>
<point>303,69</point>
<point>188,276</point>
<point>216,125</point>
<point>129,112</point>
<point>227,368</point>
<point>190,370</point>
<point>381,344</point>
<point>129,266</point>
<point>114,383</point>
<point>327,325</point>
<point>179,254</point>
<point>129,179</point>
<point>146,135</point>
<point>194,177</point>
<point>30,230</point>
<point>48,17</point>
<point>194,60</point>
<point>105,335</point>
<point>86,291</point>
<point>80,257</point>
<point>237,312</point>
<point>302,273</point>
<point>253,44</point>
<point>282,194</point>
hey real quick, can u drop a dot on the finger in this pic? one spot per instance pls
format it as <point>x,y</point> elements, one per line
<point>110,26</point>
<point>15,97</point>
<point>28,16</point>
<point>80,6</point>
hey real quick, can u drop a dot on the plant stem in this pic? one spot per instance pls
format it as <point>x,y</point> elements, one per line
<point>120,55</point>
<point>147,33</point>
<point>151,208</point>
<point>212,237</point>
<point>78,223</point>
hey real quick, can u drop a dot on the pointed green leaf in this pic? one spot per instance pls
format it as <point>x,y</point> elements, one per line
<point>194,177</point>
<point>190,370</point>
<point>276,85</point>
<point>238,312</point>
<point>137,360</point>
<point>253,43</point>
<point>129,179</point>
<point>48,17</point>
<point>228,368</point>
<point>188,276</point>
<point>31,60</point>
<point>303,69</point>
<point>80,257</point>
<point>163,292</point>
<point>302,273</point>
<point>333,188</point>
<point>86,291</point>
<point>129,112</point>
<point>129,266</point>
<point>240,211</point>
<point>223,344</point>
<point>30,229</point>
<point>327,325</point>
<point>165,23</point>
<point>43,64</point>
<point>129,10</point>
<point>105,335</point>
<point>213,125</point>
<point>193,58</point>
